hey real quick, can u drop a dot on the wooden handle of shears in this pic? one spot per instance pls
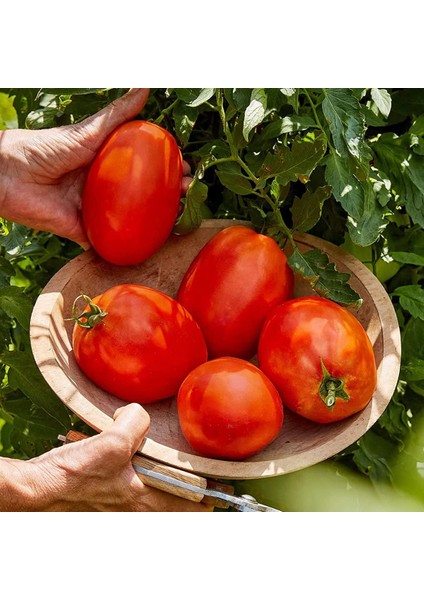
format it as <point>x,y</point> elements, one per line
<point>175,490</point>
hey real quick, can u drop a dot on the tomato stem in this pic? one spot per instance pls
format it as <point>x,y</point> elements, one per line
<point>331,388</point>
<point>89,318</point>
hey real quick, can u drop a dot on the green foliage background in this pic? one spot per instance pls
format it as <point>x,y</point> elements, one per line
<point>344,164</point>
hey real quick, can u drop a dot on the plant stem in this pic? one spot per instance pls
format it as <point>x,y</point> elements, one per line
<point>165,112</point>
<point>255,180</point>
<point>318,120</point>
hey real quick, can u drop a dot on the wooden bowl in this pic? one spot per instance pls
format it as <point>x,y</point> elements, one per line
<point>300,444</point>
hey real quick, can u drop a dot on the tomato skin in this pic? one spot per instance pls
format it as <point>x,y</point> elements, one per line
<point>231,286</point>
<point>301,333</point>
<point>229,409</point>
<point>143,348</point>
<point>132,194</point>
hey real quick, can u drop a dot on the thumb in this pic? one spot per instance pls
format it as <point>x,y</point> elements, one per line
<point>96,128</point>
<point>129,428</point>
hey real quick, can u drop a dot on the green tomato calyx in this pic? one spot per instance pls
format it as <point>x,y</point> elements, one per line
<point>331,388</point>
<point>91,317</point>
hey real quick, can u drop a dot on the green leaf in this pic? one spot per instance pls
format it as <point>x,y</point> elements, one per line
<point>367,218</point>
<point>411,298</point>
<point>24,375</point>
<point>288,91</point>
<point>306,210</point>
<point>296,163</point>
<point>417,128</point>
<point>371,457</point>
<point>288,124</point>
<point>382,100</point>
<point>235,183</point>
<point>315,267</point>
<point>408,258</point>
<point>395,419</point>
<point>71,91</point>
<point>204,95</point>
<point>184,120</point>
<point>412,341</point>
<point>346,123</point>
<point>193,213</point>
<point>14,240</point>
<point>241,97</point>
<point>187,95</point>
<point>8,116</point>
<point>406,171</point>
<point>44,425</point>
<point>42,118</point>
<point>16,304</point>
<point>255,112</point>
<point>413,369</point>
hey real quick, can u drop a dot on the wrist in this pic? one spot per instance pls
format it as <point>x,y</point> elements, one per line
<point>17,492</point>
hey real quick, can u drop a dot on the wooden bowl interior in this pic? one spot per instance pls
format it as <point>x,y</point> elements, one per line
<point>301,443</point>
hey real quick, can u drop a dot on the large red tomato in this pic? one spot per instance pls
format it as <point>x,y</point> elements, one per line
<point>132,193</point>
<point>230,287</point>
<point>229,409</point>
<point>319,357</point>
<point>141,346</point>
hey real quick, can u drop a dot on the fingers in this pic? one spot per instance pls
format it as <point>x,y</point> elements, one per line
<point>125,435</point>
<point>186,168</point>
<point>97,127</point>
<point>185,182</point>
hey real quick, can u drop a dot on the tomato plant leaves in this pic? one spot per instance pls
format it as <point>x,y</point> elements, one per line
<point>193,212</point>
<point>23,374</point>
<point>382,100</point>
<point>235,182</point>
<point>287,124</point>
<point>204,95</point>
<point>315,267</point>
<point>408,258</point>
<point>184,119</point>
<point>255,112</point>
<point>8,116</point>
<point>306,210</point>
<point>346,122</point>
<point>297,162</point>
<point>16,304</point>
<point>367,218</point>
<point>411,298</point>
<point>406,171</point>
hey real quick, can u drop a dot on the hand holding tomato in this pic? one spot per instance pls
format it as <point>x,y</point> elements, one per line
<point>43,172</point>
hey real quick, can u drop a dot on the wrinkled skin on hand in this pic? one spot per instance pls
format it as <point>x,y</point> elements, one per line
<point>96,474</point>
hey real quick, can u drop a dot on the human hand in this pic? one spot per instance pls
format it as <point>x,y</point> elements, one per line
<point>96,474</point>
<point>42,173</point>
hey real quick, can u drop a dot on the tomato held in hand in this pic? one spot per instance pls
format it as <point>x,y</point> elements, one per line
<point>230,287</point>
<point>132,193</point>
<point>319,357</point>
<point>227,408</point>
<point>137,343</point>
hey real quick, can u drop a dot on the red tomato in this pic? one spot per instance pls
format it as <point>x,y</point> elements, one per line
<point>319,357</point>
<point>229,409</point>
<point>132,194</point>
<point>143,348</point>
<point>230,287</point>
